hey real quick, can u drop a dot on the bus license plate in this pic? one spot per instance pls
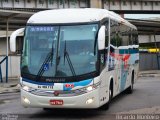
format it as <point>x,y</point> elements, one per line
<point>56,102</point>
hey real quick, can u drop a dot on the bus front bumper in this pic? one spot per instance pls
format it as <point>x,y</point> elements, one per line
<point>87,100</point>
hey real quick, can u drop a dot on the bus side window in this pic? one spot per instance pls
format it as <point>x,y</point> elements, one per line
<point>106,35</point>
<point>126,35</point>
<point>112,32</point>
<point>116,39</point>
<point>130,37</point>
<point>135,38</point>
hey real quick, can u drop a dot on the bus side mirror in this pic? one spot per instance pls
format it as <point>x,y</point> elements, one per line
<point>13,39</point>
<point>101,38</point>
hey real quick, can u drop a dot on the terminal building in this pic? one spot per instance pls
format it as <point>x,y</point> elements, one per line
<point>15,13</point>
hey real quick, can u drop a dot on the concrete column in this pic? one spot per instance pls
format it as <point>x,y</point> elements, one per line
<point>96,3</point>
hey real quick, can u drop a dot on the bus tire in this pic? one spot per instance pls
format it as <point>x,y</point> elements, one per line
<point>130,89</point>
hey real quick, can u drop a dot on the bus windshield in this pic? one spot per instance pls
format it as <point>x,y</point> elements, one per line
<point>59,51</point>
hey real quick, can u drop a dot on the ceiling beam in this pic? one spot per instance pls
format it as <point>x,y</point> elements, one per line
<point>19,12</point>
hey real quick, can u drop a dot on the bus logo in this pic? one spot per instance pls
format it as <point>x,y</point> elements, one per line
<point>69,85</point>
<point>56,93</point>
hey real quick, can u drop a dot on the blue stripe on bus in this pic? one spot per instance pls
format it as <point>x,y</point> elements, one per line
<point>76,84</point>
<point>37,83</point>
<point>128,51</point>
<point>133,51</point>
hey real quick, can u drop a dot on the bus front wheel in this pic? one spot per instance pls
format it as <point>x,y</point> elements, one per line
<point>106,105</point>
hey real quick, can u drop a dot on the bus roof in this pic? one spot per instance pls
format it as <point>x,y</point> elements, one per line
<point>79,15</point>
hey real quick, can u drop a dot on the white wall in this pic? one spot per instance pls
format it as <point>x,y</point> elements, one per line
<point>132,5</point>
<point>13,66</point>
<point>32,4</point>
<point>116,5</point>
<point>19,4</point>
<point>54,5</point>
<point>36,4</point>
<point>7,4</point>
<point>3,33</point>
<point>2,46</point>
<point>146,7</point>
<point>156,6</point>
<point>44,5</point>
<point>13,61</point>
<point>136,6</point>
<point>127,6</point>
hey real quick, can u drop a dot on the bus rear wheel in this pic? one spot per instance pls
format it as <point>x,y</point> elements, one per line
<point>130,89</point>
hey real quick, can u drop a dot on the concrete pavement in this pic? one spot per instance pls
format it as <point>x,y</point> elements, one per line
<point>149,73</point>
<point>151,110</point>
<point>11,86</point>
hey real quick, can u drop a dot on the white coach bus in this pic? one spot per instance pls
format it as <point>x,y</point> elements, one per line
<point>76,58</point>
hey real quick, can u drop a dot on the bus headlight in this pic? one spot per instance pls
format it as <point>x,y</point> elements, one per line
<point>26,88</point>
<point>90,88</point>
<point>89,101</point>
<point>26,100</point>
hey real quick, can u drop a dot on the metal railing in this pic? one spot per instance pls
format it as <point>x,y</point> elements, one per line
<point>1,62</point>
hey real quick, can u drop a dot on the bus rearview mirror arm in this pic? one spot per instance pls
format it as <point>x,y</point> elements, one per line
<point>13,39</point>
<point>101,38</point>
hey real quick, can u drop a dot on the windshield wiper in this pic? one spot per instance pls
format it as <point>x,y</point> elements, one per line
<point>47,60</point>
<point>66,55</point>
<point>52,53</point>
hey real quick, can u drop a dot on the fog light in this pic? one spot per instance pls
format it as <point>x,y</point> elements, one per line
<point>89,101</point>
<point>26,88</point>
<point>26,100</point>
<point>90,88</point>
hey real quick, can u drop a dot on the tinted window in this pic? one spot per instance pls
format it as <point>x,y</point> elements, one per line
<point>116,38</point>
